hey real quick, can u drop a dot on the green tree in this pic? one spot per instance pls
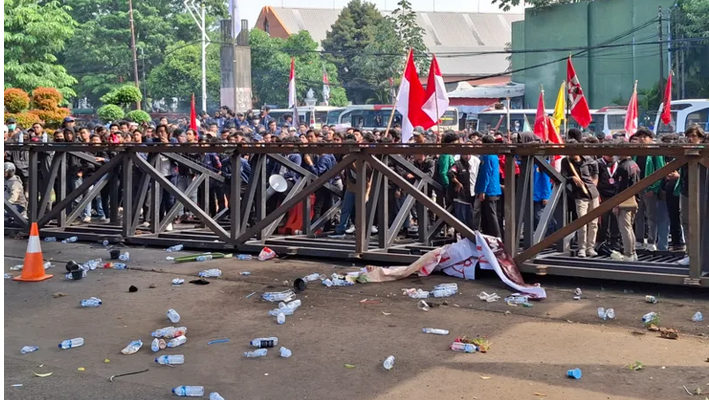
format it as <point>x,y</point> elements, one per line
<point>138,116</point>
<point>692,22</point>
<point>180,74</point>
<point>506,5</point>
<point>352,37</point>
<point>100,56</point>
<point>34,33</point>
<point>379,66</point>
<point>110,112</point>
<point>270,69</point>
<point>123,96</point>
<point>409,32</point>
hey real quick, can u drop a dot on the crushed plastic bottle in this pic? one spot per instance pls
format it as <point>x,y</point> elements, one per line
<point>647,318</point>
<point>70,239</point>
<point>444,292</point>
<point>29,349</point>
<point>176,247</point>
<point>91,302</point>
<point>327,282</point>
<point>286,295</point>
<point>281,318</point>
<point>293,305</point>
<point>698,317</point>
<point>189,391</point>
<point>517,299</point>
<point>215,396</point>
<point>173,316</point>
<point>133,347</point>
<point>8,276</point>
<point>92,264</point>
<point>172,359</point>
<point>244,257</point>
<point>210,273</point>
<point>50,239</point>
<point>263,343</point>
<point>178,341</point>
<point>71,343</point>
<point>418,293</point>
<point>256,353</point>
<point>169,332</point>
<point>285,353</point>
<point>435,331</point>
<point>464,347</point>
<point>124,257</point>
<point>606,314</point>
<point>178,281</point>
<point>311,278</point>
<point>389,363</point>
<point>204,257</point>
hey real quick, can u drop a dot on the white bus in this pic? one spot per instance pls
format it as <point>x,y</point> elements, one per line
<point>608,120</point>
<point>376,116</point>
<point>315,116</point>
<point>684,113</point>
<point>521,120</point>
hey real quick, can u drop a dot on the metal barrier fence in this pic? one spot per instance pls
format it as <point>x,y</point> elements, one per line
<point>134,180</point>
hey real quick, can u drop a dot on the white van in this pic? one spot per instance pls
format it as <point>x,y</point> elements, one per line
<point>684,113</point>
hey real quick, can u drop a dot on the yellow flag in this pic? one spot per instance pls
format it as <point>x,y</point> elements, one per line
<point>560,107</point>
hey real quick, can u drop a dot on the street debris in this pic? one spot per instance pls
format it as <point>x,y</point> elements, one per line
<point>132,347</point>
<point>173,316</point>
<point>606,314</point>
<point>59,294</point>
<point>350,366</point>
<point>200,282</point>
<point>42,375</point>
<point>215,341</point>
<point>91,302</point>
<point>463,347</point>
<point>651,299</point>
<point>539,394</point>
<point>442,290</point>
<point>106,361</point>
<point>28,349</point>
<point>669,333</point>
<point>697,317</point>
<point>371,301</point>
<point>386,313</point>
<point>285,353</point>
<point>435,331</point>
<point>574,373</point>
<point>245,273</point>
<point>636,366</point>
<point>8,276</point>
<point>517,299</point>
<point>484,377</point>
<point>16,385</point>
<point>578,292</point>
<point>128,373</point>
<point>266,254</point>
<point>422,305</point>
<point>169,332</point>
<point>489,297</point>
<point>152,286</point>
<point>132,289</point>
<point>286,295</point>
<point>256,353</point>
<point>174,248</point>
<point>388,363</point>
<point>81,369</point>
<point>71,343</point>
<point>177,281</point>
<point>210,273</point>
<point>244,257</point>
<point>250,294</point>
<point>173,359</point>
<point>481,344</point>
<point>188,391</point>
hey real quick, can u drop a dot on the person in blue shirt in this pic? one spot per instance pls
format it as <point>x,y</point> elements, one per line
<point>488,190</point>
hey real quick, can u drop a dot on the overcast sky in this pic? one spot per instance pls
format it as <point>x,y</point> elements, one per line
<point>250,9</point>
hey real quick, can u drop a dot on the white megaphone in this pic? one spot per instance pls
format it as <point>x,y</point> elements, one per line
<point>276,184</point>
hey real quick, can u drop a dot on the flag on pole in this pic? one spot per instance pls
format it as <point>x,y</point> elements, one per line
<point>666,114</point>
<point>559,108</point>
<point>409,101</point>
<point>193,117</point>
<point>631,115</point>
<point>579,106</point>
<point>541,121</point>
<point>292,98</point>
<point>325,87</point>
<point>235,20</point>
<point>437,99</point>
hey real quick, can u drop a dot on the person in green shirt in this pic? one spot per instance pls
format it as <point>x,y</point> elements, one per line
<point>446,161</point>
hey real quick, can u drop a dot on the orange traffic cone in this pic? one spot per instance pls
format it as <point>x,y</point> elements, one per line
<point>33,269</point>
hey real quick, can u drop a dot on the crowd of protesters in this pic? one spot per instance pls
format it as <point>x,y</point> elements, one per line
<point>655,219</point>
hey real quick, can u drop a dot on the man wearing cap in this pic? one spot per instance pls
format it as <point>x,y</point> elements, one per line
<point>418,136</point>
<point>647,208</point>
<point>14,192</point>
<point>240,120</point>
<point>68,123</point>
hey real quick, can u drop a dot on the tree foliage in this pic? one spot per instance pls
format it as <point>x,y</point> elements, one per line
<point>270,69</point>
<point>692,22</point>
<point>110,112</point>
<point>16,100</point>
<point>409,32</point>
<point>46,98</point>
<point>361,30</point>
<point>138,116</point>
<point>100,55</point>
<point>24,119</point>
<point>34,33</point>
<point>123,96</point>
<point>506,5</point>
<point>180,74</point>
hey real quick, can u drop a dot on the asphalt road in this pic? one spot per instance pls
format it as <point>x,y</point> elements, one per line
<point>531,347</point>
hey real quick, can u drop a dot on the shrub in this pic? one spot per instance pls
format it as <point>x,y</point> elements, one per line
<point>24,119</point>
<point>44,98</point>
<point>110,112</point>
<point>122,96</point>
<point>16,100</point>
<point>138,116</point>
<point>52,118</point>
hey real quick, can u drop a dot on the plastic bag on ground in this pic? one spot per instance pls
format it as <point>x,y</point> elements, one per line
<point>266,254</point>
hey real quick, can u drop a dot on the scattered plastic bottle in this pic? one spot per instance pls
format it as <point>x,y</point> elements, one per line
<point>284,311</point>
<point>169,332</point>
<point>8,276</point>
<point>244,257</point>
<point>420,294</point>
<point>17,267</point>
<point>119,266</point>
<point>133,347</point>
<point>245,273</point>
<point>29,349</point>
<point>389,363</point>
<point>281,318</point>
<point>263,343</point>
<point>342,282</point>
<point>48,264</point>
<point>189,391</point>
<point>311,278</point>
<point>698,317</point>
<point>327,282</point>
<point>71,343</point>
<point>173,316</point>
<point>285,353</point>
<point>293,305</point>
<point>444,292</point>
<point>92,264</point>
<point>209,273</point>
<point>446,286</point>
<point>256,353</point>
<point>70,239</point>
<point>172,359</point>
<point>178,341</point>
<point>91,302</point>
<point>50,239</point>
<point>215,396</point>
<point>606,314</point>
<point>464,347</point>
<point>286,295</point>
<point>124,257</point>
<point>176,247</point>
<point>435,331</point>
<point>204,257</point>
<point>106,242</point>
<point>168,258</point>
<point>649,317</point>
<point>178,281</point>
<point>517,299</point>
<point>155,345</point>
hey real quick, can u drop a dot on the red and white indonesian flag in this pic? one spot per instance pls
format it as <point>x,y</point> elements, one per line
<point>437,99</point>
<point>325,86</point>
<point>631,115</point>
<point>292,102</point>
<point>410,100</point>
<point>577,101</point>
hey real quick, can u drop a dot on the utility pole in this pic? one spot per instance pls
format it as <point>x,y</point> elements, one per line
<point>135,53</point>
<point>193,10</point>
<point>145,82</point>
<point>662,64</point>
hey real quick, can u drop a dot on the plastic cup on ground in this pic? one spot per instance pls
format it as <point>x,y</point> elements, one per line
<point>574,373</point>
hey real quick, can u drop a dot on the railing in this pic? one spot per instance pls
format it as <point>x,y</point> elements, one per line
<point>246,224</point>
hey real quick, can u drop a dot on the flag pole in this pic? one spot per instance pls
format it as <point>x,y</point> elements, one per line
<point>438,120</point>
<point>566,109</point>
<point>509,128</point>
